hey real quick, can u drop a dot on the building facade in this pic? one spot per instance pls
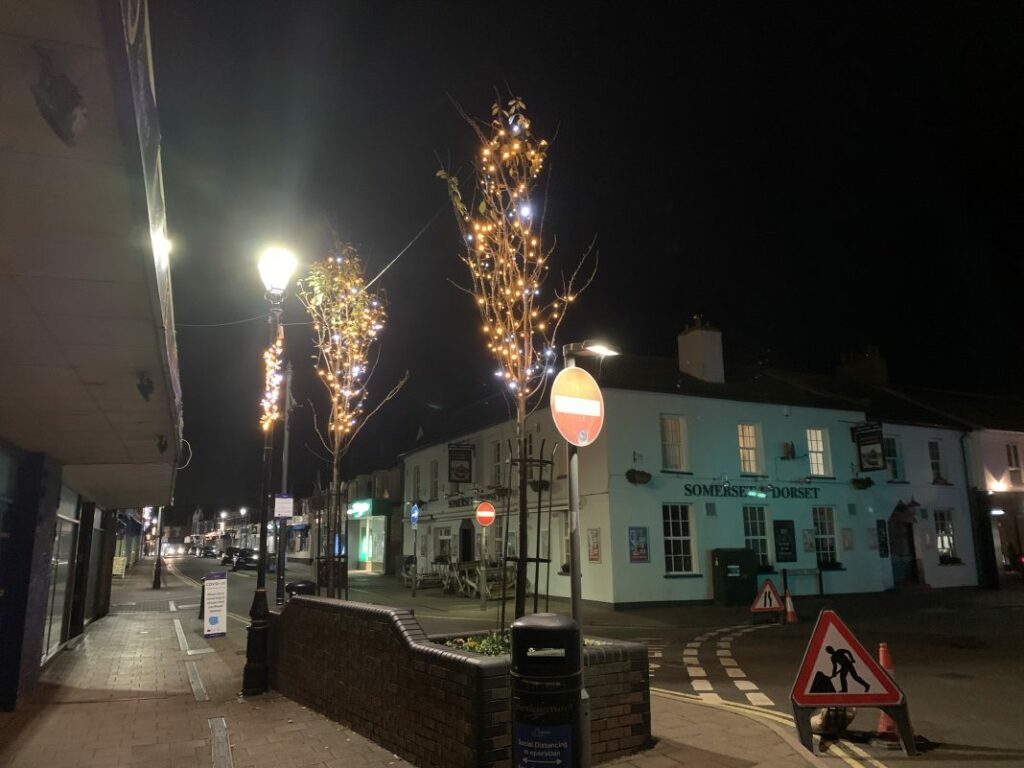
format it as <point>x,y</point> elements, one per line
<point>688,465</point>
<point>90,401</point>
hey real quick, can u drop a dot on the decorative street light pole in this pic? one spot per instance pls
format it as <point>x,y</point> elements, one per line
<point>569,354</point>
<point>276,266</point>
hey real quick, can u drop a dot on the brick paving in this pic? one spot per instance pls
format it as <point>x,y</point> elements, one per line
<point>121,696</point>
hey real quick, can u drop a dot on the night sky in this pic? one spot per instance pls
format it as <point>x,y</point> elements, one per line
<point>810,178</point>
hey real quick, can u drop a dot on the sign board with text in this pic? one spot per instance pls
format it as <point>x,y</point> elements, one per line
<point>215,605</point>
<point>284,505</point>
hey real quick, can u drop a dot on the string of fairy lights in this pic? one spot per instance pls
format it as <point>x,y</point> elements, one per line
<point>269,405</point>
<point>347,319</point>
<point>505,253</point>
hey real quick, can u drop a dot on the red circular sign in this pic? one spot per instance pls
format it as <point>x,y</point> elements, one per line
<point>485,513</point>
<point>577,406</point>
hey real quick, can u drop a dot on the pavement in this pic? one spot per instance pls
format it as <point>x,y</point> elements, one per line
<point>143,688</point>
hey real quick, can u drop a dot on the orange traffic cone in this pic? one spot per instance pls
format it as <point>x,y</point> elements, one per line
<point>886,725</point>
<point>790,611</point>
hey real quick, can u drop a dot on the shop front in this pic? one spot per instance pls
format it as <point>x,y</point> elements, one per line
<point>369,522</point>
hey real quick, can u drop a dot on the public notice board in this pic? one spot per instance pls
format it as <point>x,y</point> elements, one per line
<point>538,745</point>
<point>785,541</point>
<point>215,605</point>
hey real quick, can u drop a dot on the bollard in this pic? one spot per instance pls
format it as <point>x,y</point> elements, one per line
<point>546,679</point>
<point>202,599</point>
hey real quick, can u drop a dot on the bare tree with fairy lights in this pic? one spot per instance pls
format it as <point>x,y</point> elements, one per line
<point>504,248</point>
<point>348,318</point>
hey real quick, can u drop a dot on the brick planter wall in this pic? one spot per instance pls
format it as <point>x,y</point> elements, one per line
<point>375,670</point>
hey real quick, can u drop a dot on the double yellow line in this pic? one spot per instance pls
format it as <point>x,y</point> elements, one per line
<point>849,753</point>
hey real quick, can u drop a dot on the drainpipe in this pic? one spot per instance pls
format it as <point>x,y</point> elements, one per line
<point>981,527</point>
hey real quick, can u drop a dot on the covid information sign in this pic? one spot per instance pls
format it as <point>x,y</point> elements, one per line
<point>539,745</point>
<point>215,605</point>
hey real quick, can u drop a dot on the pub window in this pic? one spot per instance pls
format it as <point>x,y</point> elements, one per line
<point>818,452</point>
<point>433,479</point>
<point>755,533</point>
<point>945,539</point>
<point>824,534</point>
<point>495,464</point>
<point>673,444</point>
<point>750,448</point>
<point>678,538</point>
<point>935,460</point>
<point>416,483</point>
<point>893,457</point>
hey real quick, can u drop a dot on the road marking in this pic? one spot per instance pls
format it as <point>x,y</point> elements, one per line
<point>182,642</point>
<point>834,749</point>
<point>692,644</point>
<point>723,652</point>
<point>735,672</point>
<point>199,651</point>
<point>864,755</point>
<point>728,662</point>
<point>760,700</point>
<point>727,643</point>
<point>220,744</point>
<point>745,685</point>
<point>701,685</point>
<point>198,689</point>
<point>696,671</point>
<point>171,606</point>
<point>690,653</point>
<point>711,698</point>
<point>182,607</point>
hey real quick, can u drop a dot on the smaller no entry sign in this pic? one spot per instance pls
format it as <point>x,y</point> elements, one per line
<point>577,406</point>
<point>485,513</point>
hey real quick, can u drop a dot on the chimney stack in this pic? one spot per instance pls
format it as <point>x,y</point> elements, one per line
<point>700,352</point>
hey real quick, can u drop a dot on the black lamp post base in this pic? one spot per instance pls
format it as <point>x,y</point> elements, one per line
<point>255,679</point>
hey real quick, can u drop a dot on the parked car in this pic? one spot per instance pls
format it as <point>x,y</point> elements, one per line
<point>245,558</point>
<point>207,551</point>
<point>228,555</point>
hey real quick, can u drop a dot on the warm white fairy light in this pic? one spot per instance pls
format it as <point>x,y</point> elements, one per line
<point>270,404</point>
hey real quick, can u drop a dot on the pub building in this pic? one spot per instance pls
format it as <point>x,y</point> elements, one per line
<point>839,481</point>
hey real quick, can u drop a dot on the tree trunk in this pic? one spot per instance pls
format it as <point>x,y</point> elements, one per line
<point>524,543</point>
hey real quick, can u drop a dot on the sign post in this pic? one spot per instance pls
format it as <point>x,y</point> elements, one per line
<point>283,509</point>
<point>835,659</point>
<point>414,520</point>
<point>485,514</point>
<point>215,605</point>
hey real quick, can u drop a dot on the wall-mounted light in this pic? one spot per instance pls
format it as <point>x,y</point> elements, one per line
<point>997,512</point>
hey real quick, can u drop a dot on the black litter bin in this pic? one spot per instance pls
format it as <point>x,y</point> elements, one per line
<point>546,679</point>
<point>300,588</point>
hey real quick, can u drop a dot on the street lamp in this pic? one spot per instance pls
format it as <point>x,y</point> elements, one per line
<point>569,353</point>
<point>276,266</point>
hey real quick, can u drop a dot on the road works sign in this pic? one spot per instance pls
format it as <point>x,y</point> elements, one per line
<point>485,513</point>
<point>767,600</point>
<point>577,407</point>
<point>838,672</point>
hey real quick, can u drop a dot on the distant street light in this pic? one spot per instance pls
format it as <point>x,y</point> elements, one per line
<point>223,514</point>
<point>569,353</point>
<point>276,266</point>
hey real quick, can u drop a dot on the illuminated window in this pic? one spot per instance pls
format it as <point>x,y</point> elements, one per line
<point>945,542</point>
<point>818,452</point>
<point>824,534</point>
<point>750,453</point>
<point>673,444</point>
<point>755,533</point>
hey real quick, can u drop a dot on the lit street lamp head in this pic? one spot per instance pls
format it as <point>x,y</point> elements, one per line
<point>276,267</point>
<point>600,348</point>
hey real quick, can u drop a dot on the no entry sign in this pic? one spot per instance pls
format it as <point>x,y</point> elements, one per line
<point>577,406</point>
<point>485,513</point>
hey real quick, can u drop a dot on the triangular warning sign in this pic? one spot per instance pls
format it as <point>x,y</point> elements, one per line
<point>837,671</point>
<point>767,600</point>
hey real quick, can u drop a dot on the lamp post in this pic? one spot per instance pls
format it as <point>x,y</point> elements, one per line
<point>276,266</point>
<point>569,354</point>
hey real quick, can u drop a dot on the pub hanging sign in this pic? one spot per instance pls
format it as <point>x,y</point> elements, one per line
<point>870,454</point>
<point>460,462</point>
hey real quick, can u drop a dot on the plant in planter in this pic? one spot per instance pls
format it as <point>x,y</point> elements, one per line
<point>949,560</point>
<point>638,476</point>
<point>861,483</point>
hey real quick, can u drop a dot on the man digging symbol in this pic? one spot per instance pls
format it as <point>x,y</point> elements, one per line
<point>843,665</point>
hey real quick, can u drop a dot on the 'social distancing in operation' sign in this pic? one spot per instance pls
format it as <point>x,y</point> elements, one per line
<point>577,406</point>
